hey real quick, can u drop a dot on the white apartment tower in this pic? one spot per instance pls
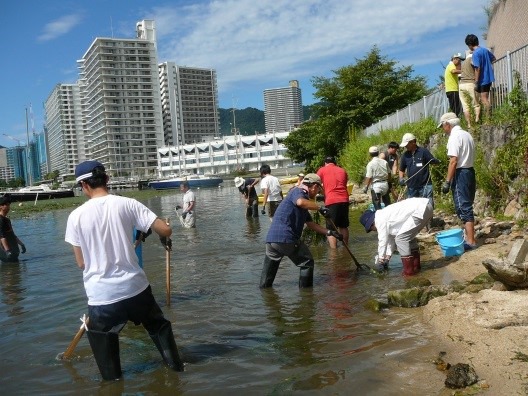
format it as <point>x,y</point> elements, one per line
<point>64,128</point>
<point>189,101</point>
<point>120,96</point>
<point>283,108</point>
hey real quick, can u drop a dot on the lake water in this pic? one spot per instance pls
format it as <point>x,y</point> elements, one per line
<point>234,338</point>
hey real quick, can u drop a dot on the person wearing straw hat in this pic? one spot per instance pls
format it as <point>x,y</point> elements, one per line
<point>284,234</point>
<point>460,177</point>
<point>300,178</point>
<point>379,175</point>
<point>397,226</point>
<point>246,187</point>
<point>117,288</point>
<point>415,163</point>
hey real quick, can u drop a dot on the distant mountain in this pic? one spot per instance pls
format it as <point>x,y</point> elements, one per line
<point>249,120</point>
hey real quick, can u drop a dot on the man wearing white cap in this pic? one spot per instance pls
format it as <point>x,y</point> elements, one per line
<point>415,163</point>
<point>460,177</point>
<point>117,288</point>
<point>452,71</point>
<point>247,189</point>
<point>379,175</point>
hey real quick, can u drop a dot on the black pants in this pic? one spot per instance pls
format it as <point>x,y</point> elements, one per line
<point>454,102</point>
<point>141,309</point>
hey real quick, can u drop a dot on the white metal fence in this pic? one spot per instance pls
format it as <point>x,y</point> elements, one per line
<point>435,104</point>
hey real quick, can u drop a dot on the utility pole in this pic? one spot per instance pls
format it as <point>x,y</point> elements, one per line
<point>30,177</point>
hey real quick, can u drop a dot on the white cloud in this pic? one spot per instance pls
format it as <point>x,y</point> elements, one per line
<point>59,27</point>
<point>272,40</point>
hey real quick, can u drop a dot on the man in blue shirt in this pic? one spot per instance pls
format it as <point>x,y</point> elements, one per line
<point>415,161</point>
<point>284,235</point>
<point>482,60</point>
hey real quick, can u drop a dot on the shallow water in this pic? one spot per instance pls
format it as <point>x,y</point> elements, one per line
<point>234,338</point>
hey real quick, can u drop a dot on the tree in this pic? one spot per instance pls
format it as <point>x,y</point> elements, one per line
<point>356,97</point>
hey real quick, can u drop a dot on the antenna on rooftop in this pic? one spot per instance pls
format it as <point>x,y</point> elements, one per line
<point>111,27</point>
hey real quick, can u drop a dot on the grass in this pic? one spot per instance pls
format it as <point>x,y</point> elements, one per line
<point>24,209</point>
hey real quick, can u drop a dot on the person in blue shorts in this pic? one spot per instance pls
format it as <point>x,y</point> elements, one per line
<point>482,60</point>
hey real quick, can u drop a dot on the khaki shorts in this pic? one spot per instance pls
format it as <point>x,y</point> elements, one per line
<point>473,97</point>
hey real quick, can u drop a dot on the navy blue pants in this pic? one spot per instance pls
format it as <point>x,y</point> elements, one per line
<point>464,188</point>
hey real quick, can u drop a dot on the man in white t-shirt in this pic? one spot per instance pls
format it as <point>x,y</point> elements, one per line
<point>271,189</point>
<point>118,290</point>
<point>460,174</point>
<point>189,203</point>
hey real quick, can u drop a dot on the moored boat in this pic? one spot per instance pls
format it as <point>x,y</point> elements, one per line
<point>193,180</point>
<point>40,192</point>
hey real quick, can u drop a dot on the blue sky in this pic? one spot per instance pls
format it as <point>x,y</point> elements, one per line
<point>253,45</point>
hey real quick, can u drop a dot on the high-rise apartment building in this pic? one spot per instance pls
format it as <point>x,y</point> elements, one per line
<point>283,108</point>
<point>121,106</point>
<point>64,127</point>
<point>189,100</point>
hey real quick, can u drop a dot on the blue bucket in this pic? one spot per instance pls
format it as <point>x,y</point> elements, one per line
<point>451,242</point>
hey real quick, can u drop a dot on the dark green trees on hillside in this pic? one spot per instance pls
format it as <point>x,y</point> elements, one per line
<point>356,97</point>
<point>247,121</point>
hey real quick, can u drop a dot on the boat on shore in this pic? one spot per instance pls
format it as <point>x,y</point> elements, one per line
<point>39,193</point>
<point>193,180</point>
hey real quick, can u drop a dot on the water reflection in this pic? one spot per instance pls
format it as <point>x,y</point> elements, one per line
<point>294,335</point>
<point>10,285</point>
<point>252,229</point>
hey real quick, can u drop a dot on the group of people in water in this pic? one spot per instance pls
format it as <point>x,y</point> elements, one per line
<point>105,231</point>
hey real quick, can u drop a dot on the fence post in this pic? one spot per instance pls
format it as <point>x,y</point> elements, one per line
<point>425,106</point>
<point>509,71</point>
<point>410,115</point>
<point>398,118</point>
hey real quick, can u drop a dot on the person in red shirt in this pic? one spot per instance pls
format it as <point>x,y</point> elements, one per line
<point>335,181</point>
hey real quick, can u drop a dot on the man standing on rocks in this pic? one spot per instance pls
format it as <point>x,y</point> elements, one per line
<point>460,177</point>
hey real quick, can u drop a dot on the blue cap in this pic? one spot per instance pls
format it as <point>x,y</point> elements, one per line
<point>85,169</point>
<point>367,219</point>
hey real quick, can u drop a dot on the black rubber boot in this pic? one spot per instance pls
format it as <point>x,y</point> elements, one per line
<point>306,277</point>
<point>416,260</point>
<point>164,340</point>
<point>269,271</point>
<point>105,347</point>
<point>376,200</point>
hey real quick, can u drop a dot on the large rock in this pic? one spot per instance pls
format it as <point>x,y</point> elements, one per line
<point>460,375</point>
<point>513,275</point>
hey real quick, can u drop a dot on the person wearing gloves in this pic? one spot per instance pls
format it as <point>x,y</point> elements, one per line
<point>189,204</point>
<point>415,162</point>
<point>271,189</point>
<point>117,288</point>
<point>246,187</point>
<point>379,175</point>
<point>284,235</point>
<point>397,226</point>
<point>460,177</point>
<point>9,242</point>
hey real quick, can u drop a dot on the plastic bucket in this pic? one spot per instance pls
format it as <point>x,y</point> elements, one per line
<point>451,242</point>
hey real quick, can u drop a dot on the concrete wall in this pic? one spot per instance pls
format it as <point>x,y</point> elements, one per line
<point>508,29</point>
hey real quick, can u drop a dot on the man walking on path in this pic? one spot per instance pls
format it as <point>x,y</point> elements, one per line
<point>271,189</point>
<point>379,175</point>
<point>246,187</point>
<point>482,60</point>
<point>335,181</point>
<point>460,177</point>
<point>452,71</point>
<point>415,162</point>
<point>117,288</point>
<point>284,235</point>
